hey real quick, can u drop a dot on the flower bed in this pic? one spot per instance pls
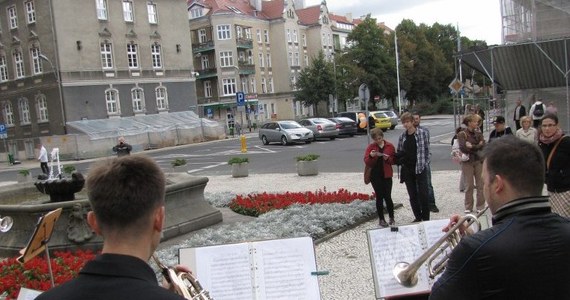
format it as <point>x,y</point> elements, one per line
<point>34,274</point>
<point>257,204</point>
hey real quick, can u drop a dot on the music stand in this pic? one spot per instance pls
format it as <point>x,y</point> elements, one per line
<point>40,238</point>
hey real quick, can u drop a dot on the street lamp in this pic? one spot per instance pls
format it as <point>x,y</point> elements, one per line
<point>334,104</point>
<point>57,78</point>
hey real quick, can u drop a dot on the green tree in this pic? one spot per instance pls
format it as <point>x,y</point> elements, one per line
<point>316,83</point>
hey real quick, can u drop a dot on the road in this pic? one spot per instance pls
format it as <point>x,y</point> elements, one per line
<point>340,155</point>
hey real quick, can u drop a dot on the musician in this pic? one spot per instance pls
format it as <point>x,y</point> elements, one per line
<point>127,197</point>
<point>525,254</point>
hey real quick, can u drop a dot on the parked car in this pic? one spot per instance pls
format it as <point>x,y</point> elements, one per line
<point>393,117</point>
<point>356,116</point>
<point>381,120</point>
<point>322,128</point>
<point>284,132</point>
<point>345,126</point>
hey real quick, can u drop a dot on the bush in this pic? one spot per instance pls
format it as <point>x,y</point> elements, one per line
<point>68,169</point>
<point>178,162</point>
<point>308,157</point>
<point>238,160</point>
<point>24,172</point>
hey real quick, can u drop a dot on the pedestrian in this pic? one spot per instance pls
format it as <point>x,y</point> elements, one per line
<point>537,111</point>
<point>520,111</point>
<point>527,132</point>
<point>127,201</point>
<point>431,195</point>
<point>413,155</point>
<point>43,158</point>
<point>555,146</point>
<point>459,157</point>
<point>471,142</point>
<point>122,148</point>
<point>551,109</point>
<point>379,156</point>
<point>479,111</point>
<point>501,129</point>
<point>525,254</point>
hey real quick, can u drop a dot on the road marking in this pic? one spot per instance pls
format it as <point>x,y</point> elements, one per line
<point>206,167</point>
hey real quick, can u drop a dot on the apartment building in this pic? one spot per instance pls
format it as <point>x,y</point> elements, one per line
<point>70,60</point>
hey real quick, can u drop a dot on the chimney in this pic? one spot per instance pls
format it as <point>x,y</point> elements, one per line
<point>256,4</point>
<point>349,17</point>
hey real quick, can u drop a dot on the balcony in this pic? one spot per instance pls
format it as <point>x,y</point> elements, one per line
<point>207,73</point>
<point>244,43</point>
<point>246,68</point>
<point>203,47</point>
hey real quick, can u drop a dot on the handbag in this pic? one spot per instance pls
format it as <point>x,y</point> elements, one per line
<point>456,155</point>
<point>367,174</point>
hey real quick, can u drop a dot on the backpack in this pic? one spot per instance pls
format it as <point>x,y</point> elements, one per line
<point>538,110</point>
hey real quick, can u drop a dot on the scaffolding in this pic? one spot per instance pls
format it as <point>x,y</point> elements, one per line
<point>534,20</point>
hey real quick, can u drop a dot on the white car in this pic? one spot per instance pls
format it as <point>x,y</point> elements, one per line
<point>284,132</point>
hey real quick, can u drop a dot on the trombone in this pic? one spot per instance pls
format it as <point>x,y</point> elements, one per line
<point>6,223</point>
<point>406,274</point>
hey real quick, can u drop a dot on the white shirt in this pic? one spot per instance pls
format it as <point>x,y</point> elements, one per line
<point>43,155</point>
<point>531,111</point>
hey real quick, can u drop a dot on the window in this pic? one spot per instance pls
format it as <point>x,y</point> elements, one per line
<point>12,17</point>
<point>101,9</point>
<point>41,105</point>
<point>250,57</point>
<point>270,85</point>
<point>24,111</point>
<point>288,36</point>
<point>36,61</point>
<point>239,34</point>
<point>253,85</point>
<point>202,35</point>
<point>106,55</point>
<point>266,36</point>
<point>261,61</point>
<point>224,32</point>
<point>19,64</point>
<point>196,12</point>
<point>132,56</point>
<point>268,60</point>
<point>229,85</point>
<point>205,62</point>
<point>156,56</point>
<point>258,34</point>
<point>207,89</point>
<point>304,40</point>
<point>226,59</point>
<point>161,98</point>
<point>244,85</point>
<point>112,100</point>
<point>291,58</point>
<point>306,60</point>
<point>248,33</point>
<point>296,59</point>
<point>3,69</point>
<point>137,95</point>
<point>294,82</point>
<point>295,40</point>
<point>152,15</point>
<point>30,12</point>
<point>263,85</point>
<point>9,114</point>
<point>128,13</point>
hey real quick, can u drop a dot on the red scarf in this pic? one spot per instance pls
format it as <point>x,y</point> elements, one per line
<point>551,139</point>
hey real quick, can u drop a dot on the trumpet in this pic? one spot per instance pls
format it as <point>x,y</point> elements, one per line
<point>406,274</point>
<point>6,223</point>
<point>184,283</point>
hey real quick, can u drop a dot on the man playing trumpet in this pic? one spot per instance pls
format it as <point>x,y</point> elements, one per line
<point>526,254</point>
<point>127,197</point>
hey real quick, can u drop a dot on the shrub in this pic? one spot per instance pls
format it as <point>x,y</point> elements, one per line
<point>24,172</point>
<point>308,157</point>
<point>238,160</point>
<point>68,169</point>
<point>178,162</point>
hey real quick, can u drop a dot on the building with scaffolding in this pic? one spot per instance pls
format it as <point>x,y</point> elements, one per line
<point>534,20</point>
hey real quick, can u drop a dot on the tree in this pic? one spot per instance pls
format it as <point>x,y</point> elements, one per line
<point>316,83</point>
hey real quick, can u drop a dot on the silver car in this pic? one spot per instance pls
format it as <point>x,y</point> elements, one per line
<point>284,132</point>
<point>321,127</point>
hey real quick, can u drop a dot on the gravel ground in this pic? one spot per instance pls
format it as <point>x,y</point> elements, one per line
<point>346,255</point>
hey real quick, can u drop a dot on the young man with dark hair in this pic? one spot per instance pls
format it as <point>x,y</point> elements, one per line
<point>431,194</point>
<point>127,198</point>
<point>525,254</point>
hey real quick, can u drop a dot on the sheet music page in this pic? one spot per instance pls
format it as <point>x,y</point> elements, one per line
<point>433,234</point>
<point>283,269</point>
<point>388,248</point>
<point>225,270</point>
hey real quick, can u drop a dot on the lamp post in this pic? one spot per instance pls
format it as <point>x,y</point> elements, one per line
<point>334,104</point>
<point>58,80</point>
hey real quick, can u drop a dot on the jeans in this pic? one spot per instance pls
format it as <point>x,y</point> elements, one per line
<point>431,195</point>
<point>417,186</point>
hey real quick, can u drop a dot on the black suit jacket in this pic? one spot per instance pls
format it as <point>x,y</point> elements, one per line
<point>112,276</point>
<point>521,114</point>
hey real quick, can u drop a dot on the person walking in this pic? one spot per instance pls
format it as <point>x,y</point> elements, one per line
<point>537,111</point>
<point>555,146</point>
<point>431,195</point>
<point>43,158</point>
<point>471,142</point>
<point>379,156</point>
<point>524,255</point>
<point>520,111</point>
<point>413,155</point>
<point>127,197</point>
<point>122,148</point>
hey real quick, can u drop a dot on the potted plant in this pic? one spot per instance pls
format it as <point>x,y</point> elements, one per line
<point>239,166</point>
<point>178,163</point>
<point>307,165</point>
<point>25,176</point>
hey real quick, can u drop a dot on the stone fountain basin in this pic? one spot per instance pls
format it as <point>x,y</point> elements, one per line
<point>186,211</point>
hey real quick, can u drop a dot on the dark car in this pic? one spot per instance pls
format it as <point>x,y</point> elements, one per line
<point>357,116</point>
<point>345,126</point>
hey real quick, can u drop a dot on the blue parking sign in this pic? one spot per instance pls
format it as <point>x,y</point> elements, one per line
<point>240,98</point>
<point>3,131</point>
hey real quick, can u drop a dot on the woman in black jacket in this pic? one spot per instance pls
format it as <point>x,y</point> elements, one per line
<point>556,149</point>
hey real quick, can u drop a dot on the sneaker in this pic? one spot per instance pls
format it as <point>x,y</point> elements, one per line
<point>392,222</point>
<point>383,223</point>
<point>434,209</point>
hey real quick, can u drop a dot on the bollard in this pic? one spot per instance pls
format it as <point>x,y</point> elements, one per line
<point>243,144</point>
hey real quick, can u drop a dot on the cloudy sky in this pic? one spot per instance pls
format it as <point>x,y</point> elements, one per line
<point>477,20</point>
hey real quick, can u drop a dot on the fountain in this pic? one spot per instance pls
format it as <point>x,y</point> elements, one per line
<point>57,186</point>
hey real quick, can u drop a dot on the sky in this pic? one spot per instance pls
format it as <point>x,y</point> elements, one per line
<point>477,20</point>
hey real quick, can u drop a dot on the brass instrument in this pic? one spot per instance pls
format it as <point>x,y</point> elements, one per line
<point>406,273</point>
<point>6,223</point>
<point>184,283</point>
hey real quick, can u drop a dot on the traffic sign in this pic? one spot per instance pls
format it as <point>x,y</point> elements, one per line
<point>364,92</point>
<point>240,98</point>
<point>456,85</point>
<point>3,131</point>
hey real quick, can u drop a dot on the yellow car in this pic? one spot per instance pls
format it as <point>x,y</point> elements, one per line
<point>381,120</point>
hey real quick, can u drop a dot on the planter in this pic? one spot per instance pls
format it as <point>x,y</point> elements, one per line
<point>240,170</point>
<point>307,168</point>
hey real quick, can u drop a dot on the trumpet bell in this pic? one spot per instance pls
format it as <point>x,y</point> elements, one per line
<point>407,280</point>
<point>6,223</point>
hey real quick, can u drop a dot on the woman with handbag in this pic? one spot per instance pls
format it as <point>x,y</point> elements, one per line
<point>556,149</point>
<point>378,160</point>
<point>471,142</point>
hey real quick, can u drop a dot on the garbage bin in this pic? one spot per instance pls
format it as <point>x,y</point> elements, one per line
<point>11,158</point>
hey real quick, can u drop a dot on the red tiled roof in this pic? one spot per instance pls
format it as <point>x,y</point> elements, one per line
<point>339,19</point>
<point>309,15</point>
<point>273,9</point>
